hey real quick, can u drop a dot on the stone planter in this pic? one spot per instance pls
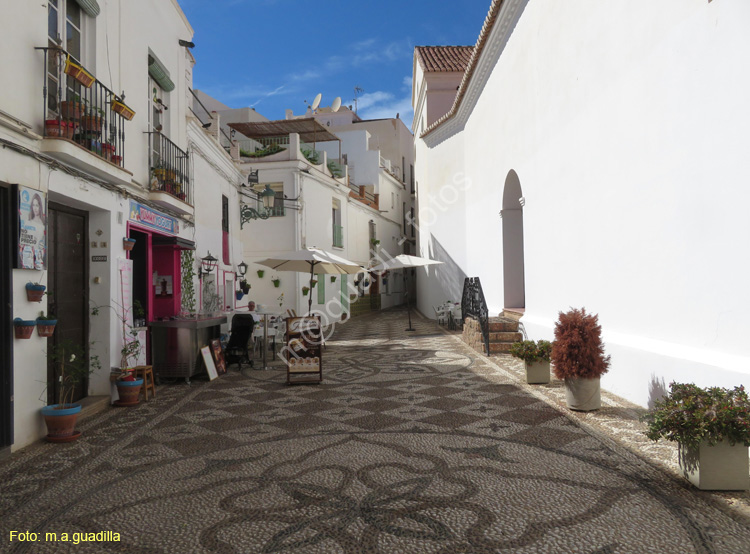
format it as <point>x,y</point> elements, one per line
<point>583,395</point>
<point>720,467</point>
<point>537,372</point>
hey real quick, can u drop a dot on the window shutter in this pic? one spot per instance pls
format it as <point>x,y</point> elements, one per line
<point>160,74</point>
<point>91,7</point>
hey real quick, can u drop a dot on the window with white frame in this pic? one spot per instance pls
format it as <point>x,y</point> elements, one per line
<point>66,24</point>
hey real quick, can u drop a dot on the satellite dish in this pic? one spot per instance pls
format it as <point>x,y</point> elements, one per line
<point>316,102</point>
<point>336,104</point>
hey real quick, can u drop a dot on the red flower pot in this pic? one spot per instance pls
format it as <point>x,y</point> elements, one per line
<point>45,327</point>
<point>35,293</point>
<point>23,329</point>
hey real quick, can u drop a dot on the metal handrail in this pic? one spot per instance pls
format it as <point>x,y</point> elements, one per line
<point>170,167</point>
<point>474,304</point>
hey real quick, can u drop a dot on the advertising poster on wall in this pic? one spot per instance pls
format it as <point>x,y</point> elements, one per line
<point>32,229</point>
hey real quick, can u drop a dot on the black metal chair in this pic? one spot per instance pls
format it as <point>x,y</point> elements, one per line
<point>237,350</point>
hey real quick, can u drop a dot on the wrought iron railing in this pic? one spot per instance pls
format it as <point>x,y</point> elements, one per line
<point>474,304</point>
<point>79,108</point>
<point>338,236</point>
<point>170,167</point>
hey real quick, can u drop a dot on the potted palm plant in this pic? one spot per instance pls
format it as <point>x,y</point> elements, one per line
<point>712,429</point>
<point>70,370</point>
<point>578,358</point>
<point>536,359</point>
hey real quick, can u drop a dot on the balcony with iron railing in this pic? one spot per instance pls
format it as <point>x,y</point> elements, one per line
<point>79,110</point>
<point>170,173</point>
<point>360,193</point>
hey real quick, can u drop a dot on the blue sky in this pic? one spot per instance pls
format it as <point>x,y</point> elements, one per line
<point>275,54</point>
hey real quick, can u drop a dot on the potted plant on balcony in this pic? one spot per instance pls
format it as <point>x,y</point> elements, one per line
<point>59,128</point>
<point>72,109</point>
<point>261,273</point>
<point>536,359</point>
<point>119,107</point>
<point>45,325</point>
<point>578,358</point>
<point>712,429</point>
<point>78,72</point>
<point>92,121</point>
<point>108,149</point>
<point>117,159</point>
<point>68,360</point>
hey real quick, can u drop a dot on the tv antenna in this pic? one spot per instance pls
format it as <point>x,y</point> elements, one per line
<point>357,90</point>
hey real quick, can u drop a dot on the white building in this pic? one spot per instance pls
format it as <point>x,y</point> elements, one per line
<point>593,156</point>
<point>158,177</point>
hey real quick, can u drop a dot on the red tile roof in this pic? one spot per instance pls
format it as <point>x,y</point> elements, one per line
<point>444,58</point>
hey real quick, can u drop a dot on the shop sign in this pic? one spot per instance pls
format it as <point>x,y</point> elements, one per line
<point>147,217</point>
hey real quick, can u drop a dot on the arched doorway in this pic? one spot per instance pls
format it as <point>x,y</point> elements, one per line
<point>513,268</point>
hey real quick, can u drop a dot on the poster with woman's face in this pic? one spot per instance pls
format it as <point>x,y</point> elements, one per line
<point>32,229</point>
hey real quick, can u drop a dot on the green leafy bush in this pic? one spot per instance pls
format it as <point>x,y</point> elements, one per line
<point>690,415</point>
<point>531,352</point>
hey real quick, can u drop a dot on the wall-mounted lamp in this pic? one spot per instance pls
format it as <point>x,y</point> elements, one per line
<point>187,43</point>
<point>242,268</point>
<point>267,196</point>
<point>207,265</point>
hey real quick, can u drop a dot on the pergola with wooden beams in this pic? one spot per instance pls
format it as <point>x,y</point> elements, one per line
<point>308,129</point>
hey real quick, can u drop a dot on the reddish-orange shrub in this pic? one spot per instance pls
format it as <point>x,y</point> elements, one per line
<point>578,350</point>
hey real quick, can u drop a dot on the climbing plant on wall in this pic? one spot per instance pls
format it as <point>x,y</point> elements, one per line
<point>188,288</point>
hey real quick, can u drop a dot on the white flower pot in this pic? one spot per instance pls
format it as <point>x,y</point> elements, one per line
<point>537,372</point>
<point>721,467</point>
<point>583,395</point>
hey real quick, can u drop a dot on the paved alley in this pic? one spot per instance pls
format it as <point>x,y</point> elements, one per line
<point>413,443</point>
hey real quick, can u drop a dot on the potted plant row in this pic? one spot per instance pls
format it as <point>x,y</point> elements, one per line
<point>578,358</point>
<point>712,429</point>
<point>536,359</point>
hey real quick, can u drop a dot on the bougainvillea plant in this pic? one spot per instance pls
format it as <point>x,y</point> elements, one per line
<point>578,350</point>
<point>532,352</point>
<point>690,415</point>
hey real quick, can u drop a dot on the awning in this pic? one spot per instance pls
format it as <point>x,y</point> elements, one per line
<point>308,129</point>
<point>163,240</point>
<point>159,73</point>
<point>91,7</point>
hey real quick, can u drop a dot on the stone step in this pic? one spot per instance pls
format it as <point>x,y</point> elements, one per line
<point>505,337</point>
<point>498,325</point>
<point>497,347</point>
<point>512,313</point>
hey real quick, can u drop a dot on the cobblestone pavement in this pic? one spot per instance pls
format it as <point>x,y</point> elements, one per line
<point>412,444</point>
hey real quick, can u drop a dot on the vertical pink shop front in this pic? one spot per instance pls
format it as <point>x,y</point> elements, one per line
<point>157,262</point>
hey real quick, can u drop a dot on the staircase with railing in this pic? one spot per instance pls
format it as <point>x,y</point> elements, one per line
<point>491,335</point>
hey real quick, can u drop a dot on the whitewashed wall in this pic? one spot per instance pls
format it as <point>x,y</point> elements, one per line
<point>626,124</point>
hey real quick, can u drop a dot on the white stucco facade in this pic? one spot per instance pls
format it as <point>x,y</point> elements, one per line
<point>624,124</point>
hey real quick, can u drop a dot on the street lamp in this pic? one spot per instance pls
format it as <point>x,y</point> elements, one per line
<point>208,263</point>
<point>268,196</point>
<point>242,268</point>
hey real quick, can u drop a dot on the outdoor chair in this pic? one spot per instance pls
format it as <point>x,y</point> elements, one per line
<point>441,315</point>
<point>237,348</point>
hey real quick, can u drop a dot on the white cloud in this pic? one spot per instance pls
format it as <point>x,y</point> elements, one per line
<point>383,105</point>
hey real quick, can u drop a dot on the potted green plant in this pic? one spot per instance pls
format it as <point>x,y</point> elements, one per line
<point>245,286</point>
<point>45,325</point>
<point>374,242</point>
<point>578,358</point>
<point>305,290</point>
<point>276,282</point>
<point>35,292</point>
<point>71,368</point>
<point>333,278</point>
<point>712,429</point>
<point>536,359</point>
<point>261,273</point>
<point>23,328</point>
<point>139,314</point>
<point>72,109</point>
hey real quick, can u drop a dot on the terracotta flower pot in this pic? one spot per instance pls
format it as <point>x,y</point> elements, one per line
<point>128,391</point>
<point>45,327</point>
<point>128,244</point>
<point>35,293</point>
<point>61,422</point>
<point>23,329</point>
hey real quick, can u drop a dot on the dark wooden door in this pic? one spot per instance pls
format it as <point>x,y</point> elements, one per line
<point>6,310</point>
<point>67,282</point>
